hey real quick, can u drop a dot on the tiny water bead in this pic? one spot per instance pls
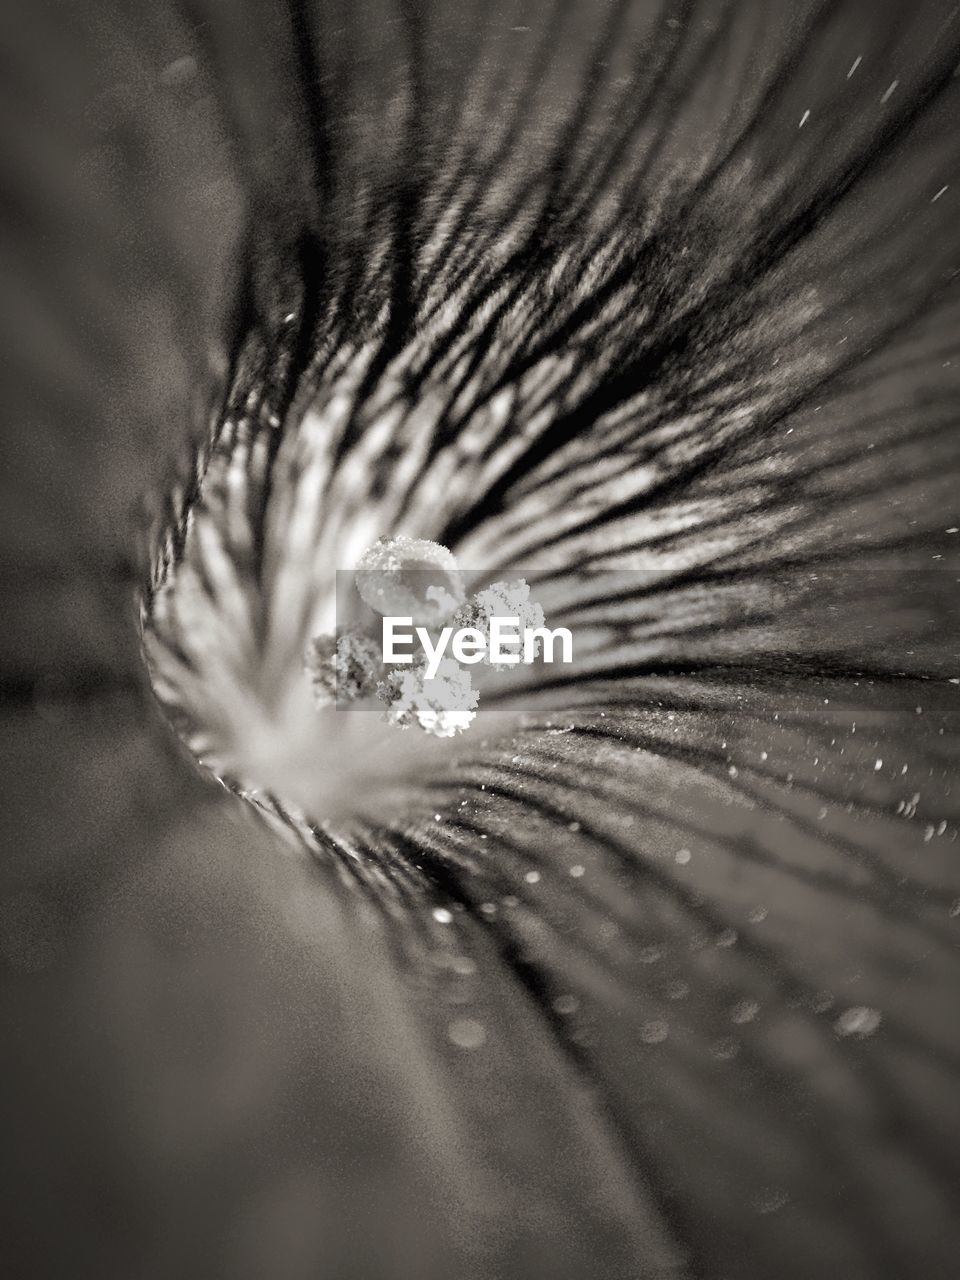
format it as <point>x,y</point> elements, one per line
<point>467,1033</point>
<point>566,1004</point>
<point>744,1011</point>
<point>725,1049</point>
<point>769,1200</point>
<point>859,1021</point>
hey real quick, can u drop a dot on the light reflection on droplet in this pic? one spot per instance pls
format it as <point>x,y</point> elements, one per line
<point>857,1021</point>
<point>726,1048</point>
<point>769,1200</point>
<point>467,1033</point>
<point>744,1011</point>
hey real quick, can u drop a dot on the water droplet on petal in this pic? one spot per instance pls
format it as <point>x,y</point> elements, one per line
<point>769,1200</point>
<point>744,1011</point>
<point>857,1021</point>
<point>467,1033</point>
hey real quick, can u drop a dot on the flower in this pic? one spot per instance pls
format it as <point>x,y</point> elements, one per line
<point>584,305</point>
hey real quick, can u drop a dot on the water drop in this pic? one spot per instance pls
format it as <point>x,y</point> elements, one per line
<point>857,1021</point>
<point>467,1033</point>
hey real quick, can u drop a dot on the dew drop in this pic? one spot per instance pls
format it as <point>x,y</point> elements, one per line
<point>726,1049</point>
<point>859,1021</point>
<point>744,1011</point>
<point>769,1200</point>
<point>467,1033</point>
